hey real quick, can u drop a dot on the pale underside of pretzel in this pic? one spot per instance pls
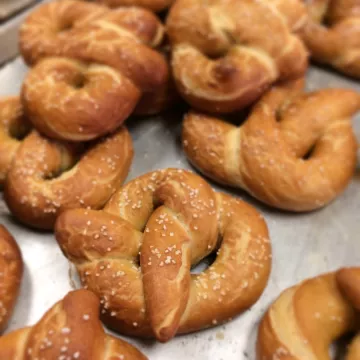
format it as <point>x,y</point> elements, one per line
<point>13,126</point>
<point>11,270</point>
<point>47,177</point>
<point>71,329</point>
<point>306,319</point>
<point>332,34</point>
<point>93,66</point>
<point>295,151</point>
<point>223,56</point>
<point>153,5</point>
<point>173,219</point>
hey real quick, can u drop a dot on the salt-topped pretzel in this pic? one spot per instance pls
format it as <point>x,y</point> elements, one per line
<point>168,221</point>
<point>332,34</point>
<point>306,319</point>
<point>223,56</point>
<point>11,270</point>
<point>70,330</point>
<point>97,65</point>
<point>153,5</point>
<point>47,177</point>
<point>295,151</point>
<point>13,126</point>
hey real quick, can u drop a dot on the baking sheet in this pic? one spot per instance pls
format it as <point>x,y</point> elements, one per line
<point>304,245</point>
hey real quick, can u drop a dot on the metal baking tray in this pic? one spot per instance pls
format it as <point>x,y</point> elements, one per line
<point>304,245</point>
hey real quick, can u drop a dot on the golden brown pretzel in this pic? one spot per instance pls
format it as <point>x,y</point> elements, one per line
<point>173,219</point>
<point>11,270</point>
<point>223,56</point>
<point>108,66</point>
<point>13,126</point>
<point>332,34</point>
<point>70,330</point>
<point>44,179</point>
<point>295,151</point>
<point>305,319</point>
<point>153,5</point>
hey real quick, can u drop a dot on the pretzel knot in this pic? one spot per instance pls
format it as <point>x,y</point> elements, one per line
<point>11,270</point>
<point>13,127</point>
<point>223,56</point>
<point>47,177</point>
<point>71,329</point>
<point>101,67</point>
<point>153,5</point>
<point>332,34</point>
<point>173,219</point>
<point>295,151</point>
<point>307,318</point>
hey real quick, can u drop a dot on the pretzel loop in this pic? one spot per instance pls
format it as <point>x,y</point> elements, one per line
<point>11,270</point>
<point>295,151</point>
<point>92,67</point>
<point>47,177</point>
<point>223,58</point>
<point>13,127</point>
<point>306,319</point>
<point>173,219</point>
<point>332,34</point>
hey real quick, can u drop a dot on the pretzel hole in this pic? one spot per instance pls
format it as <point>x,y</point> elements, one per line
<point>79,81</point>
<point>309,153</point>
<point>69,159</point>
<point>339,348</point>
<point>65,26</point>
<point>19,131</point>
<point>204,264</point>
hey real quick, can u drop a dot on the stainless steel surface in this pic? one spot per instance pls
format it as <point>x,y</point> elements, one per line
<point>9,7</point>
<point>9,28</point>
<point>304,245</point>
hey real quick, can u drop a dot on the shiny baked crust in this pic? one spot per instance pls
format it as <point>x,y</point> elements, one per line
<point>295,151</point>
<point>167,221</point>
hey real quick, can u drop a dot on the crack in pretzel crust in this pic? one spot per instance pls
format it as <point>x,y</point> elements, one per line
<point>153,5</point>
<point>223,58</point>
<point>13,126</point>
<point>47,177</point>
<point>170,220</point>
<point>295,151</point>
<point>306,319</point>
<point>11,270</point>
<point>92,68</point>
<point>71,329</point>
<point>332,34</point>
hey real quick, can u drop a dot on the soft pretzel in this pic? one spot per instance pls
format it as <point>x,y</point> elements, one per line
<point>47,177</point>
<point>70,330</point>
<point>153,5</point>
<point>223,56</point>
<point>295,151</point>
<point>102,64</point>
<point>305,319</point>
<point>13,126</point>
<point>332,34</point>
<point>11,270</point>
<point>168,221</point>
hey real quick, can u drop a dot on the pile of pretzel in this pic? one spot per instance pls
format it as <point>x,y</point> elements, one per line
<point>65,153</point>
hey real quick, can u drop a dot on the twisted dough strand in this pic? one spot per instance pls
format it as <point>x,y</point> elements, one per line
<point>295,151</point>
<point>109,67</point>
<point>332,34</point>
<point>174,219</point>
<point>69,330</point>
<point>305,319</point>
<point>47,177</point>
<point>13,126</point>
<point>11,270</point>
<point>223,58</point>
